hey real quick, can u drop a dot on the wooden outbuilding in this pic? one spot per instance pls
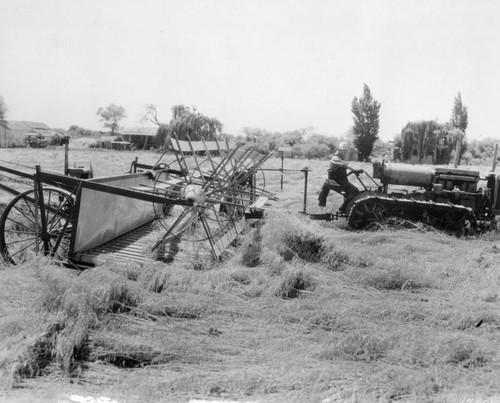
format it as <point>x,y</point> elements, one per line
<point>18,133</point>
<point>142,138</point>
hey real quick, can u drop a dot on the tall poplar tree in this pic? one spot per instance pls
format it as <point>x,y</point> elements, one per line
<point>459,116</point>
<point>366,112</point>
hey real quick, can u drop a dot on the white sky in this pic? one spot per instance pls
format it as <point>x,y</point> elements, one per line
<point>274,64</point>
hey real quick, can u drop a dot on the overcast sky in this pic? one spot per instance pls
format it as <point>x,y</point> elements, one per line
<point>274,64</point>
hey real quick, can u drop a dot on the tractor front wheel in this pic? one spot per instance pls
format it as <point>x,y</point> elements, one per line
<point>366,212</point>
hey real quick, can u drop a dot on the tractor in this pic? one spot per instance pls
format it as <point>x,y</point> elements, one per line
<point>450,199</point>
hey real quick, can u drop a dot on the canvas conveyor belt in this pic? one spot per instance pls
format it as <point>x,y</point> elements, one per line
<point>133,246</point>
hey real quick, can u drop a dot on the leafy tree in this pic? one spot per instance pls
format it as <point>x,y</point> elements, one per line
<point>254,134</point>
<point>293,137</point>
<point>261,139</point>
<point>316,145</point>
<point>312,150</point>
<point>366,112</point>
<point>3,113</point>
<point>459,116</point>
<point>111,116</point>
<point>266,141</point>
<point>482,150</point>
<point>328,142</point>
<point>77,131</point>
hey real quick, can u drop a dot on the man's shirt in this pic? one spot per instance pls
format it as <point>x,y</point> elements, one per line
<point>338,170</point>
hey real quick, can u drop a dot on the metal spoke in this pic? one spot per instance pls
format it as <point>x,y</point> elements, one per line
<point>21,240</point>
<point>29,203</point>
<point>25,215</point>
<point>20,223</point>
<point>22,250</point>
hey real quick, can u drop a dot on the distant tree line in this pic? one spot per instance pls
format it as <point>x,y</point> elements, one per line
<point>480,152</point>
<point>189,123</point>
<point>417,142</point>
<point>304,143</point>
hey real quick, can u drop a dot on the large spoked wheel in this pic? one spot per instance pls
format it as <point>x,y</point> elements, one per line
<point>367,213</point>
<point>21,235</point>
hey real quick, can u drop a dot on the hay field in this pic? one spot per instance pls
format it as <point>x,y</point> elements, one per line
<point>298,311</point>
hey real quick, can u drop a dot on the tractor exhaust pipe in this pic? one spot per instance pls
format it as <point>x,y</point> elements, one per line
<point>457,154</point>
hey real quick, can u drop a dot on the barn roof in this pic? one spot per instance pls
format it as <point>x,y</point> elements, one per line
<point>26,125</point>
<point>139,131</point>
<point>16,125</point>
<point>37,125</point>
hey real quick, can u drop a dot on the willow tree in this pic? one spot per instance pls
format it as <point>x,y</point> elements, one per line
<point>366,112</point>
<point>188,123</point>
<point>419,139</point>
<point>429,138</point>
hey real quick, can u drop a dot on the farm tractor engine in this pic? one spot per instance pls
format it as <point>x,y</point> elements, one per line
<point>445,198</point>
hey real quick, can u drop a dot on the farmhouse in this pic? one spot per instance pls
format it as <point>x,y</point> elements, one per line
<point>140,137</point>
<point>19,133</point>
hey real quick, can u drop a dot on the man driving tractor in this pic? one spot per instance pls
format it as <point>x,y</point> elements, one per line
<point>337,178</point>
